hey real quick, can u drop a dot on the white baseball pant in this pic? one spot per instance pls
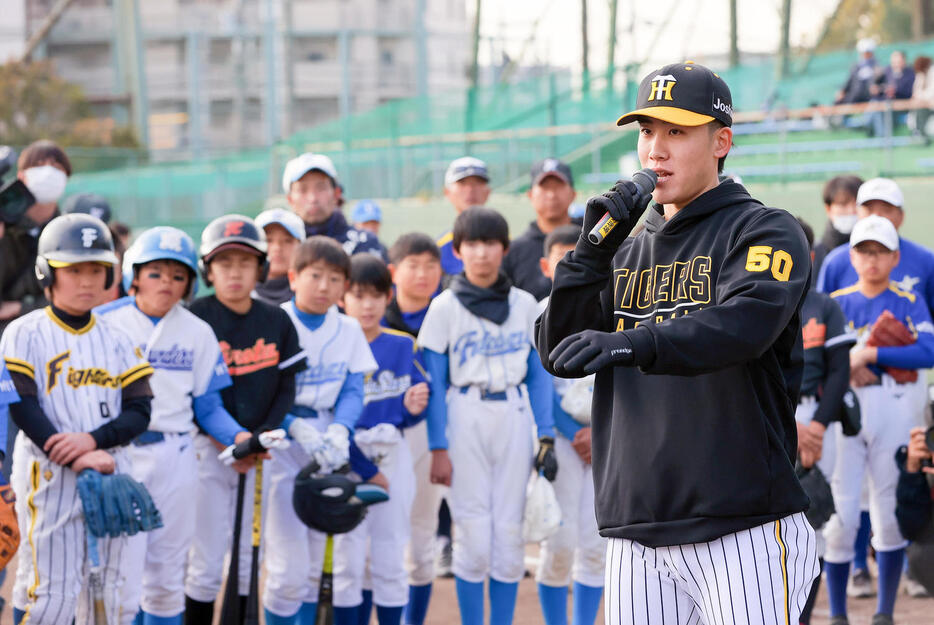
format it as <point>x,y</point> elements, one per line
<point>490,445</point>
<point>420,550</point>
<point>576,550</point>
<point>215,506</point>
<point>827,463</point>
<point>888,412</point>
<point>382,536</point>
<point>759,576</point>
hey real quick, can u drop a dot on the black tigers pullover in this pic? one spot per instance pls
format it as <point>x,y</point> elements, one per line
<point>698,440</point>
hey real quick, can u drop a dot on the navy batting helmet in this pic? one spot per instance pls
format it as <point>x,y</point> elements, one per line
<point>327,503</point>
<point>161,243</point>
<point>71,239</point>
<point>231,232</point>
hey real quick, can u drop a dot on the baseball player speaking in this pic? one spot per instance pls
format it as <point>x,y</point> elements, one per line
<point>692,328</point>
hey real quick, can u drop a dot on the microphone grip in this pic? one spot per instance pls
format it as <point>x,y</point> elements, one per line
<point>645,180</point>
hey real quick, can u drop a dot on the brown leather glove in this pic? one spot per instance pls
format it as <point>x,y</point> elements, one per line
<point>9,528</point>
<point>887,331</point>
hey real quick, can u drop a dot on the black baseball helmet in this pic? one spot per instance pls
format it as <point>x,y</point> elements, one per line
<point>72,239</point>
<point>231,232</point>
<point>327,503</point>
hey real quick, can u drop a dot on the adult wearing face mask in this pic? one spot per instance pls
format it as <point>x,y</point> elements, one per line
<point>44,168</point>
<point>840,205</point>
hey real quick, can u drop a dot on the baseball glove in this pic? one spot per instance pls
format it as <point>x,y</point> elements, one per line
<point>9,528</point>
<point>887,331</point>
<point>818,490</point>
<point>116,504</point>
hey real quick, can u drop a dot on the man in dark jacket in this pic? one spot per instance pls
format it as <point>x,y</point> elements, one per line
<point>693,330</point>
<point>551,194</point>
<point>914,507</point>
<point>839,197</point>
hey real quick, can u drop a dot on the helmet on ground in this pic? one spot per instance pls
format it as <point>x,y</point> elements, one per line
<point>71,239</point>
<point>161,243</point>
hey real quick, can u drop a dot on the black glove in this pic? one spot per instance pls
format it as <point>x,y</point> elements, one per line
<point>546,462</point>
<point>588,351</point>
<point>620,203</point>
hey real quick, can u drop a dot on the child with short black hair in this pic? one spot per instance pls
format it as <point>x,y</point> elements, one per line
<point>395,397</point>
<point>328,402</point>
<point>478,340</point>
<point>415,265</point>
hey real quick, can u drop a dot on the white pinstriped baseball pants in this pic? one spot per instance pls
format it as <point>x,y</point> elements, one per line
<point>759,576</point>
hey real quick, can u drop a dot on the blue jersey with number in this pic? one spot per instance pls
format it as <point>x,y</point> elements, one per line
<point>399,368</point>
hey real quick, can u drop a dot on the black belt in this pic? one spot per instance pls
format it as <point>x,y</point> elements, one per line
<point>486,395</point>
<point>150,437</point>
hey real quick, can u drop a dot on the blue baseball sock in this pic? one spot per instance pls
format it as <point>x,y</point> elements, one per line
<point>346,616</point>
<point>366,608</point>
<point>862,543</point>
<point>307,614</point>
<point>18,616</point>
<point>554,600</point>
<point>417,607</point>
<point>836,576</point>
<point>152,619</point>
<point>470,601</point>
<point>275,619</point>
<point>138,619</point>
<point>586,603</point>
<point>890,571</point>
<point>502,601</point>
<point>388,616</point>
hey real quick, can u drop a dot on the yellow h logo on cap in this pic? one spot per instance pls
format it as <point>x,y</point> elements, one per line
<point>661,87</point>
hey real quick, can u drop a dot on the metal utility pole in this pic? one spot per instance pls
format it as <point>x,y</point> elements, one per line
<point>126,13</point>
<point>585,67</point>
<point>611,47</point>
<point>37,37</point>
<point>475,55</point>
<point>734,46</point>
<point>784,52</point>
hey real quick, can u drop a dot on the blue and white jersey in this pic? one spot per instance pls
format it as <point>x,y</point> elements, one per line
<point>400,368</point>
<point>450,264</point>
<point>8,394</point>
<point>335,349</point>
<point>914,273</point>
<point>481,353</point>
<point>861,312</point>
<point>183,350</point>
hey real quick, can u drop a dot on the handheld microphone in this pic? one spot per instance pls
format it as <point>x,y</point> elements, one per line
<point>645,180</point>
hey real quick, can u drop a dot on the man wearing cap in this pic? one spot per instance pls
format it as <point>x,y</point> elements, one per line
<point>285,231</point>
<point>692,327</point>
<point>551,194</point>
<point>862,75</point>
<point>314,193</point>
<point>466,184</point>
<point>888,412</point>
<point>915,269</point>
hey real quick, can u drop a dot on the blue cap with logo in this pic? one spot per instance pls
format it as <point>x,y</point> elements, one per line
<point>366,210</point>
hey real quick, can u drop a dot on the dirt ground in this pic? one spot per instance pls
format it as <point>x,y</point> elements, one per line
<point>443,609</point>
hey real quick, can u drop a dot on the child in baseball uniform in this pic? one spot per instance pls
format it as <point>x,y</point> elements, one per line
<point>328,403</point>
<point>285,231</point>
<point>85,394</point>
<point>7,396</point>
<point>487,388</point>
<point>576,551</point>
<point>888,411</point>
<point>263,355</point>
<point>415,263</point>
<point>395,397</point>
<point>159,273</point>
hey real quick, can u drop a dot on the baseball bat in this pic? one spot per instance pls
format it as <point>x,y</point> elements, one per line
<point>230,611</point>
<point>95,582</point>
<point>645,180</point>
<point>252,601</point>
<point>325,614</point>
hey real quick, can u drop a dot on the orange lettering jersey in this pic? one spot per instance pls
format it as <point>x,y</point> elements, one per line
<point>258,347</point>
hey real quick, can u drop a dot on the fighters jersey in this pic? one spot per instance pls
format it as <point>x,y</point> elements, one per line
<point>481,353</point>
<point>79,374</point>
<point>822,326</point>
<point>184,353</point>
<point>450,264</point>
<point>861,312</point>
<point>257,347</point>
<point>336,348</point>
<point>400,368</point>
<point>914,272</point>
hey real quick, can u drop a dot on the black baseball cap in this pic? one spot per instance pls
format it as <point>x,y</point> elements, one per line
<point>686,94</point>
<point>89,204</point>
<point>552,167</point>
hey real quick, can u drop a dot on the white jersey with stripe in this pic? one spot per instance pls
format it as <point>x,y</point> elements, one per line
<point>79,374</point>
<point>335,349</point>
<point>184,352</point>
<point>481,353</point>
